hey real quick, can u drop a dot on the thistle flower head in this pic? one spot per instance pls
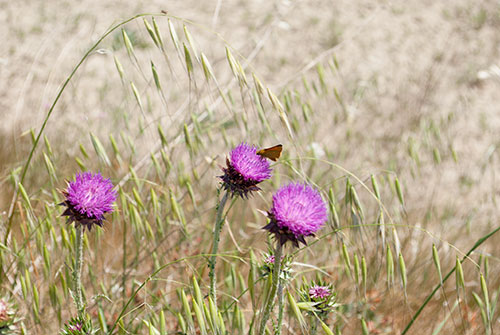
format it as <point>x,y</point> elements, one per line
<point>319,296</point>
<point>319,292</point>
<point>245,169</point>
<point>297,211</point>
<point>88,198</point>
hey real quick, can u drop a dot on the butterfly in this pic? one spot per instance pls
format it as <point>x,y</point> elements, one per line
<point>272,153</point>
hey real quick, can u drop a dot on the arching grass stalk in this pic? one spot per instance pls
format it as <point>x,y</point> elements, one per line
<point>429,297</point>
<point>266,312</point>
<point>219,220</point>
<point>49,113</point>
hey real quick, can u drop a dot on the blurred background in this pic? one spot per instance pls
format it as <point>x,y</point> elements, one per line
<point>420,76</point>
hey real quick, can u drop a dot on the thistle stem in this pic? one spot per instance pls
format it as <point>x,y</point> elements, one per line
<point>280,308</point>
<point>215,247</point>
<point>314,325</point>
<point>77,280</point>
<point>124,261</point>
<point>276,275</point>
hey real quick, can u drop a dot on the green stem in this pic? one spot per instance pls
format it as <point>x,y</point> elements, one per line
<point>124,260</point>
<point>276,275</point>
<point>215,247</point>
<point>314,325</point>
<point>429,297</point>
<point>77,272</point>
<point>280,308</point>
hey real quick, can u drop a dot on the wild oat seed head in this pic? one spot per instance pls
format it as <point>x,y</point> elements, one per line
<point>88,198</point>
<point>298,211</point>
<point>245,169</point>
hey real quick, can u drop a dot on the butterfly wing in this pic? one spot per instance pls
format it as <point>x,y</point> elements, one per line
<point>272,153</point>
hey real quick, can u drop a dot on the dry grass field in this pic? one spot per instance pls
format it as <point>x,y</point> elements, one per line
<point>401,94</point>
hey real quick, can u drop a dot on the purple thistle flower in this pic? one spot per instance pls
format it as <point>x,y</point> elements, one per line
<point>298,211</point>
<point>245,169</point>
<point>319,292</point>
<point>88,198</point>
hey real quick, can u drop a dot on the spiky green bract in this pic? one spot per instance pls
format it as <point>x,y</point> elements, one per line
<point>8,318</point>
<point>320,297</point>
<point>78,326</point>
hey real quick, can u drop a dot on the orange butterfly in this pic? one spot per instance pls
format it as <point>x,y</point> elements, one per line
<point>272,153</point>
